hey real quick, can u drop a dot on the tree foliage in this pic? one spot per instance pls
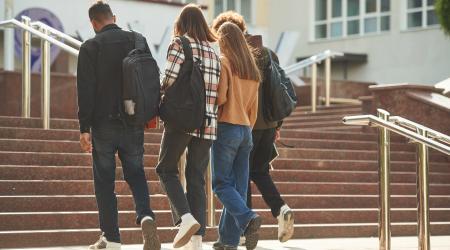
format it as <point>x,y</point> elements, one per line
<point>443,12</point>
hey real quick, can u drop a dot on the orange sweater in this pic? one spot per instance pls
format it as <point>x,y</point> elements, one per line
<point>237,98</point>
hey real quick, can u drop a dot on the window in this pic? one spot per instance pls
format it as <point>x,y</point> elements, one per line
<point>244,7</point>
<point>420,14</point>
<point>344,18</point>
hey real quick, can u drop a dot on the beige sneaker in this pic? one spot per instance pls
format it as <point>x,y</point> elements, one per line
<point>285,224</point>
<point>102,243</point>
<point>149,234</point>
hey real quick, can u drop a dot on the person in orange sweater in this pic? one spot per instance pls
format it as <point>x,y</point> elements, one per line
<point>238,109</point>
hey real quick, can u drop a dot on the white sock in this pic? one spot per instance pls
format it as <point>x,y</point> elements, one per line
<point>146,218</point>
<point>284,208</point>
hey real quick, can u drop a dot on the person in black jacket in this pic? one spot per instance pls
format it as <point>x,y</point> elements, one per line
<point>99,85</point>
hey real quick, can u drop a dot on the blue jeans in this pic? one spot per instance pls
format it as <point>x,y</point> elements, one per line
<point>109,139</point>
<point>230,157</point>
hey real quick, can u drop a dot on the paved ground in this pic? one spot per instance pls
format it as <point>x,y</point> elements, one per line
<point>398,243</point>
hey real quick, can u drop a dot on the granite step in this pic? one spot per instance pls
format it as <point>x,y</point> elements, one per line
<point>86,187</point>
<point>46,203</point>
<point>85,173</point>
<point>70,237</point>
<point>89,219</point>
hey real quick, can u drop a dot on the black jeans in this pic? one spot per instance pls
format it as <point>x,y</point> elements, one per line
<point>260,158</point>
<point>173,145</point>
<point>109,139</point>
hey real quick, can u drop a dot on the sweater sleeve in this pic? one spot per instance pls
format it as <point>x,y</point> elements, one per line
<point>175,58</point>
<point>225,76</point>
<point>253,113</point>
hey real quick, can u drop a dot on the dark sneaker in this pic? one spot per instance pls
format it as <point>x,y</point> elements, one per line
<point>220,246</point>
<point>149,233</point>
<point>251,233</point>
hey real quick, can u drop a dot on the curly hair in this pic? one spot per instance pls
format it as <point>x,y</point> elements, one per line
<point>229,16</point>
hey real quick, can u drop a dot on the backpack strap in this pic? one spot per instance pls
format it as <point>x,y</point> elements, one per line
<point>139,41</point>
<point>187,48</point>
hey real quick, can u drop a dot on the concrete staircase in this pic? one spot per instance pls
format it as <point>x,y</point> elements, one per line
<point>329,177</point>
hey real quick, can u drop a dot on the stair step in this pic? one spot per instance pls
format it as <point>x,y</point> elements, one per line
<point>69,237</point>
<point>86,187</point>
<point>307,113</point>
<point>89,219</point>
<point>306,153</point>
<point>154,136</point>
<point>85,173</point>
<point>46,203</point>
<point>352,165</point>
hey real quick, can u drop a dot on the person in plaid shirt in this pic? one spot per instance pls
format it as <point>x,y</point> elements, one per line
<point>189,210</point>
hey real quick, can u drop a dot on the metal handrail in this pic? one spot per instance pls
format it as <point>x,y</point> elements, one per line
<point>371,120</point>
<point>414,126</point>
<point>45,33</point>
<point>312,61</point>
<point>40,34</point>
<point>318,58</point>
<point>425,138</point>
<point>57,33</point>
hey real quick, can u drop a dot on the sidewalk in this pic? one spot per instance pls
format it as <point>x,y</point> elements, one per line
<point>398,243</point>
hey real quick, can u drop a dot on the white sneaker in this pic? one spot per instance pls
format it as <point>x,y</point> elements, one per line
<point>188,227</point>
<point>285,224</point>
<point>102,243</point>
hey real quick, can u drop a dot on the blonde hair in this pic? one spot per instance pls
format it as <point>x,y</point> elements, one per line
<point>235,48</point>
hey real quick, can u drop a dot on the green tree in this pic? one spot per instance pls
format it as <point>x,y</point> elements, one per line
<point>443,12</point>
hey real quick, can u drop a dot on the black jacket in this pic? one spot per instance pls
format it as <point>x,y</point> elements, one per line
<point>99,76</point>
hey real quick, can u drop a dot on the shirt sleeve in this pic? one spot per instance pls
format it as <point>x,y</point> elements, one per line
<point>86,86</point>
<point>175,58</point>
<point>225,77</point>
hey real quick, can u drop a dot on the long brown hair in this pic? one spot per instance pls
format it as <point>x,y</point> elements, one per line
<point>235,48</point>
<point>191,22</point>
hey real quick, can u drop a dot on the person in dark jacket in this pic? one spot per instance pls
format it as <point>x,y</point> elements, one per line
<point>99,85</point>
<point>264,135</point>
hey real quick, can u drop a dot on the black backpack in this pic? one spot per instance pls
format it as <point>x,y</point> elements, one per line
<point>141,83</point>
<point>183,104</point>
<point>279,98</point>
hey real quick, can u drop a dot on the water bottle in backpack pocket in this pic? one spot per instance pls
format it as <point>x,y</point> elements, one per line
<point>141,86</point>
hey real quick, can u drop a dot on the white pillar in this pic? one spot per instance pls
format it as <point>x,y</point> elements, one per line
<point>8,39</point>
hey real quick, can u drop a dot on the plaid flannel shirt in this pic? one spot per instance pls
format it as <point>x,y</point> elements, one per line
<point>210,66</point>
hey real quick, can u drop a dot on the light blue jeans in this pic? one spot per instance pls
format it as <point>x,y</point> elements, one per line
<point>230,158</point>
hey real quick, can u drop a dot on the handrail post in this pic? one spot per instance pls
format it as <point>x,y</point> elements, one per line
<point>327,81</point>
<point>8,39</point>
<point>384,219</point>
<point>211,220</point>
<point>314,88</point>
<point>26,69</point>
<point>423,215</point>
<point>45,81</point>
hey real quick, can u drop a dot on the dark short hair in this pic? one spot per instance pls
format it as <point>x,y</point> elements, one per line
<point>100,11</point>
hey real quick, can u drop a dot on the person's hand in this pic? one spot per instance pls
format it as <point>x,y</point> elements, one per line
<point>277,135</point>
<point>85,142</point>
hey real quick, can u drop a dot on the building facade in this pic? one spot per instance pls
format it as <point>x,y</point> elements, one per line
<point>385,41</point>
